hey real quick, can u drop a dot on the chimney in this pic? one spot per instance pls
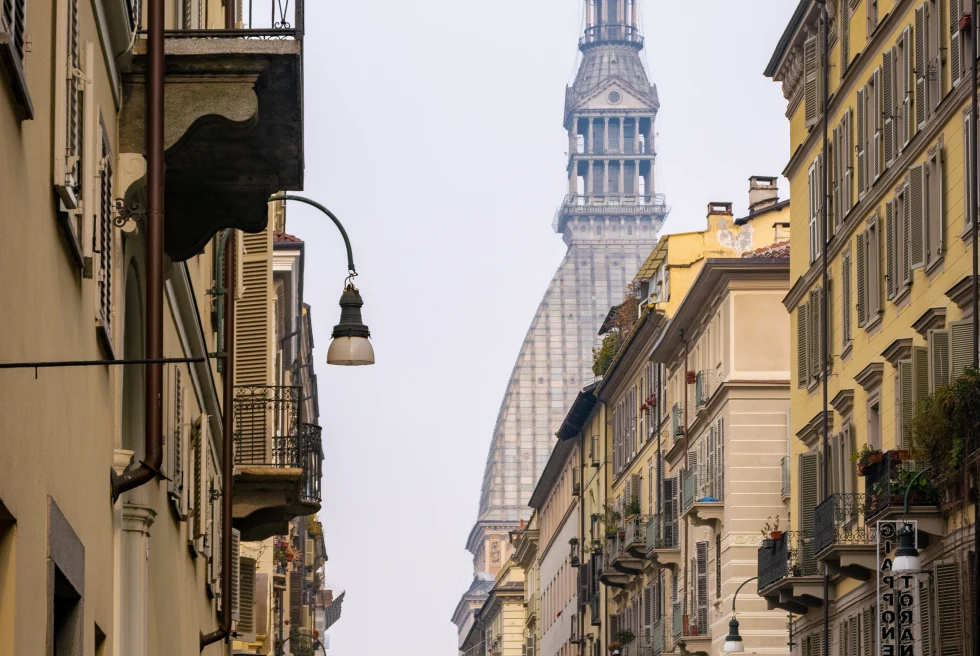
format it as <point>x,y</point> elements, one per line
<point>719,208</point>
<point>719,215</point>
<point>763,192</point>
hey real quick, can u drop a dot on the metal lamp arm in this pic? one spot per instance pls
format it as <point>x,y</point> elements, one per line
<point>739,590</point>
<point>301,199</point>
<point>908,488</point>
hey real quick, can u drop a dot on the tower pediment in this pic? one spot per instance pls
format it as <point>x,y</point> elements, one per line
<point>613,94</point>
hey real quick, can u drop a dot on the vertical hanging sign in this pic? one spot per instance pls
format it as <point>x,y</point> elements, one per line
<point>898,615</point>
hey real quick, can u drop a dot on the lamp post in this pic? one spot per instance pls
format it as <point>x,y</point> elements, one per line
<point>350,345</point>
<point>733,641</point>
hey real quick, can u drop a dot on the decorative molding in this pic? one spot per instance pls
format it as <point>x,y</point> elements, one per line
<point>843,402</point>
<point>962,295</point>
<point>931,319</point>
<point>900,349</point>
<point>137,518</point>
<point>871,376</point>
<point>813,429</point>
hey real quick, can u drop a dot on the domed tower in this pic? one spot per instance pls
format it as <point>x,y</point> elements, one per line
<point>609,220</point>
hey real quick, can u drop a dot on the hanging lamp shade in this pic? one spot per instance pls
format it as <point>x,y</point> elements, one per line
<point>350,346</point>
<point>733,641</point>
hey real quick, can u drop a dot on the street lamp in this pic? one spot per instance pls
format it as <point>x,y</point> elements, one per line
<point>350,346</point>
<point>907,556</point>
<point>733,641</point>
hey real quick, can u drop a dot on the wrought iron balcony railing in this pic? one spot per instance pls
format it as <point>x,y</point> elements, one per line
<point>267,429</point>
<point>839,519</point>
<point>284,19</point>
<point>311,457</point>
<point>885,484</point>
<point>661,537</point>
<point>702,389</point>
<point>793,554</point>
<point>633,531</point>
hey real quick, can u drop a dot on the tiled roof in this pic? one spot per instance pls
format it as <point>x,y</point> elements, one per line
<point>279,237</point>
<point>776,251</point>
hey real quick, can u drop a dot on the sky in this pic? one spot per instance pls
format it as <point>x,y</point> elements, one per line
<point>434,132</point>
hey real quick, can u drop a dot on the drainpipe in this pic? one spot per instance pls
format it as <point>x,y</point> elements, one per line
<point>153,386</point>
<point>227,444</point>
<point>581,544</point>
<point>825,298</point>
<point>974,190</point>
<point>687,520</point>
<point>229,14</point>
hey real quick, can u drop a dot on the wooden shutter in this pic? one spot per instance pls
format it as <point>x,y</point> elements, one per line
<point>813,333</point>
<point>967,166</point>
<point>196,497</point>
<point>702,587</point>
<point>955,51</point>
<point>888,103</point>
<point>236,573</point>
<point>833,444</point>
<point>295,598</point>
<point>961,347</point>
<point>917,227</point>
<point>939,359</point>
<point>14,17</point>
<point>802,349</point>
<point>862,119</point>
<point>920,376</point>
<point>847,170</point>
<point>648,611</point>
<point>846,297</point>
<point>868,625</point>
<point>246,596</point>
<point>921,69</point>
<point>253,331</point>
<point>175,484</point>
<point>905,87</point>
<point>935,204</point>
<point>891,275</point>
<point>69,110</point>
<point>949,609</point>
<point>833,220</point>
<point>712,463</point>
<point>813,192</point>
<point>877,99</point>
<point>926,618</point>
<point>718,565</point>
<point>906,232</point>
<point>845,37</point>
<point>904,392</point>
<point>720,460</point>
<point>105,240</point>
<point>862,279</point>
<point>811,80</point>
<point>873,245</point>
<point>809,467</point>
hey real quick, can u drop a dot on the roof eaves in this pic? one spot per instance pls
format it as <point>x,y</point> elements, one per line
<point>786,38</point>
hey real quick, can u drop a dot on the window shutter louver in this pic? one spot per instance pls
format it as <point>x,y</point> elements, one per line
<point>833,444</point>
<point>802,349</point>
<point>253,330</point>
<point>848,199</point>
<point>845,36</point>
<point>246,596</point>
<point>854,636</point>
<point>862,277</point>
<point>921,71</point>
<point>846,297</point>
<point>888,103</point>
<point>702,587</point>
<point>809,467</point>
<point>936,208</point>
<point>105,234</point>
<point>876,108</point>
<point>904,387</point>
<point>917,227</point>
<point>196,510</point>
<point>835,180</point>
<point>862,163</point>
<point>890,242</point>
<point>811,84</point>
<point>937,81</point>
<point>920,379</point>
<point>712,463</point>
<point>813,191</point>
<point>295,598</point>
<point>236,574</point>
<point>967,166</point>
<point>868,625</point>
<point>717,565</point>
<point>720,460</point>
<point>939,359</point>
<point>842,638</point>
<point>14,17</point>
<point>813,334</point>
<point>949,607</point>
<point>873,245</point>
<point>925,619</point>
<point>905,88</point>
<point>961,347</point>
<point>906,232</point>
<point>955,51</point>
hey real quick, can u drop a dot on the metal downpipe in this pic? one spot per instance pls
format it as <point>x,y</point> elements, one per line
<point>153,387</point>
<point>227,446</point>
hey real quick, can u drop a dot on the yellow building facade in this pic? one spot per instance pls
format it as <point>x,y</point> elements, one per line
<point>898,242</point>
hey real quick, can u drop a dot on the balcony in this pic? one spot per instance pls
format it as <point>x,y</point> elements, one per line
<point>277,461</point>
<point>632,542</point>
<point>608,204</point>
<point>702,389</point>
<point>609,573</point>
<point>233,133</point>
<point>698,504</point>
<point>788,575</point>
<point>662,543</point>
<point>843,539</point>
<point>619,34</point>
<point>885,484</point>
<point>677,420</point>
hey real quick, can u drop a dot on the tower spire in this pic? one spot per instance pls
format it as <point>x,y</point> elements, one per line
<point>611,22</point>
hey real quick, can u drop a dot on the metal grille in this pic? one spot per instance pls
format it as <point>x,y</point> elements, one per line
<point>840,519</point>
<point>311,454</point>
<point>267,426</point>
<point>886,482</point>
<point>105,236</point>
<point>786,557</point>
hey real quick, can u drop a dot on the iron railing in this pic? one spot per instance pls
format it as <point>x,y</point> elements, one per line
<point>633,532</point>
<point>661,538</point>
<point>885,484</point>
<point>786,489</point>
<point>619,204</point>
<point>274,19</point>
<point>793,554</point>
<point>839,519</point>
<point>311,456</point>
<point>267,430</point>
<point>616,33</point>
<point>702,389</point>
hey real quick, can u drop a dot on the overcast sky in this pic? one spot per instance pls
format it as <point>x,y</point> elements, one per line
<point>434,131</point>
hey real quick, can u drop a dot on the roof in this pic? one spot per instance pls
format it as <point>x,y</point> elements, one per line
<point>612,62</point>
<point>777,251</point>
<point>786,38</point>
<point>779,205</point>
<point>279,237</point>
<point>654,260</point>
<point>578,413</point>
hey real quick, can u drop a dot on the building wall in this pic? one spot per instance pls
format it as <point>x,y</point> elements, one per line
<point>558,582</point>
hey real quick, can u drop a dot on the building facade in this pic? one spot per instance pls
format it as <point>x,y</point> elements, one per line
<point>898,241</point>
<point>141,272</point>
<point>609,220</point>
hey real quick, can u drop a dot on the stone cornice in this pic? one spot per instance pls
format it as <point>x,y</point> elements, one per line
<point>900,349</point>
<point>898,169</point>
<point>843,402</point>
<point>813,429</point>
<point>931,319</point>
<point>871,376</point>
<point>962,295</point>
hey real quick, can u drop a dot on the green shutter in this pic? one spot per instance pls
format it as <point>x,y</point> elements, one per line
<point>961,347</point>
<point>802,367</point>
<point>918,227</point>
<point>809,498</point>
<point>904,388</point>
<point>949,609</point>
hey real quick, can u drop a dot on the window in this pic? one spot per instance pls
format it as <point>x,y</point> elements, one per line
<point>967,167</point>
<point>956,59</point>
<point>809,472</point>
<point>13,24</point>
<point>928,73</point>
<point>814,184</point>
<point>874,423</point>
<point>872,7</point>
<point>869,275</point>
<point>176,436</point>
<point>875,98</point>
<point>701,587</point>
<point>69,124</point>
<point>846,299</point>
<point>888,93</point>
<point>905,85</point>
<point>103,249</point>
<point>934,206</point>
<point>841,172</point>
<point>718,565</point>
<point>845,36</point>
<point>841,469</point>
<point>811,80</point>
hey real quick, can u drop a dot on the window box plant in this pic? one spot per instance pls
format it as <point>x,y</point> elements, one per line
<point>624,636</point>
<point>865,458</point>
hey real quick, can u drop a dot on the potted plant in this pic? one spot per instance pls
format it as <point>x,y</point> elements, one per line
<point>865,458</point>
<point>632,508</point>
<point>771,533</point>
<point>624,636</point>
<point>610,520</point>
<point>775,533</point>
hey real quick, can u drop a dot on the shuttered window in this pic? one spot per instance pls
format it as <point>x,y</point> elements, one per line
<point>701,591</point>
<point>906,85</point>
<point>939,359</point>
<point>13,21</point>
<point>955,47</point>
<point>873,255</point>
<point>809,467</point>
<point>862,138</point>
<point>246,596</point>
<point>949,609</point>
<point>911,386</point>
<point>888,93</point>
<point>104,248</point>
<point>253,313</point>
<point>934,205</point>
<point>815,317</point>
<point>862,278</point>
<point>196,510</point>
<point>892,276</point>
<point>845,37</point>
<point>295,598</point>
<point>875,123</point>
<point>845,282</point>
<point>236,573</point>
<point>961,347</point>
<point>918,227</point>
<point>814,181</point>
<point>902,252</point>
<point>802,347</point>
<point>872,10</point>
<point>720,460</point>
<point>926,618</point>
<point>811,80</point>
<point>967,167</point>
<point>69,108</point>
<point>921,71</point>
<point>847,165</point>
<point>718,566</point>
<point>177,436</point>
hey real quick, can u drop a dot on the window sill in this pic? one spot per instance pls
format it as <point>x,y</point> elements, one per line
<point>967,235</point>
<point>874,325</point>
<point>903,297</point>
<point>845,352</point>
<point>935,266</point>
<point>18,81</point>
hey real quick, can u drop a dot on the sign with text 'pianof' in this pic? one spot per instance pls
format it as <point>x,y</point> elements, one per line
<point>899,631</point>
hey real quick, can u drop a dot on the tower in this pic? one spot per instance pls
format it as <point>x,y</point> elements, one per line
<point>609,220</point>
